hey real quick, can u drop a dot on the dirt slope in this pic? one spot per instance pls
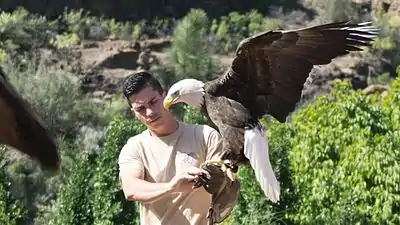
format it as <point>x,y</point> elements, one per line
<point>105,64</point>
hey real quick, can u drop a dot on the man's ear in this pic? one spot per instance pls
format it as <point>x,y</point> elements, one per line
<point>164,94</point>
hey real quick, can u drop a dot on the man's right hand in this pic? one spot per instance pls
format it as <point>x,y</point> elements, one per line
<point>184,181</point>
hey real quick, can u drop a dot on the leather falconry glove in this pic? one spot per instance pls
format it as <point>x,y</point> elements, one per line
<point>224,192</point>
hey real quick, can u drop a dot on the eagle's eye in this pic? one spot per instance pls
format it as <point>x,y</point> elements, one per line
<point>175,94</point>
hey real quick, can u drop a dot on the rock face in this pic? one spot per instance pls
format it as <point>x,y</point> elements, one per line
<point>349,67</point>
<point>105,64</point>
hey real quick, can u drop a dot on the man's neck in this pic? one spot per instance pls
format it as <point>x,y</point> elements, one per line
<point>168,129</point>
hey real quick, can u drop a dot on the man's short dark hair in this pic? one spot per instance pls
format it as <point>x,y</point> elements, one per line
<point>136,82</point>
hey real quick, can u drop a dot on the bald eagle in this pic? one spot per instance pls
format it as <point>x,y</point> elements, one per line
<point>266,77</point>
<point>21,128</point>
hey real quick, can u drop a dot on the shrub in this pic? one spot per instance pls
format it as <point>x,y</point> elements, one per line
<point>392,101</point>
<point>11,210</point>
<point>109,204</point>
<point>335,10</point>
<point>21,31</point>
<point>253,207</point>
<point>190,54</point>
<point>234,27</point>
<point>344,161</point>
<point>56,96</point>
<point>73,203</point>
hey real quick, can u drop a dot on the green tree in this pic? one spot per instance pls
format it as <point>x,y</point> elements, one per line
<point>73,203</point>
<point>192,115</point>
<point>190,54</point>
<point>253,207</point>
<point>109,204</point>
<point>11,210</point>
<point>344,160</point>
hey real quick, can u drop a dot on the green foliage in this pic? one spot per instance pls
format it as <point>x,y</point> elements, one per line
<point>391,102</point>
<point>335,10</point>
<point>11,211</point>
<point>82,25</point>
<point>190,51</point>
<point>344,161</point>
<point>73,203</point>
<point>192,115</point>
<point>21,31</point>
<point>26,184</point>
<point>387,45</point>
<point>65,40</point>
<point>56,96</point>
<point>234,27</point>
<point>336,161</point>
<point>253,207</point>
<point>109,204</point>
<point>384,78</point>
<point>125,30</point>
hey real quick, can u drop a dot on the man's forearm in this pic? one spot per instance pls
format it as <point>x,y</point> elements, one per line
<point>144,191</point>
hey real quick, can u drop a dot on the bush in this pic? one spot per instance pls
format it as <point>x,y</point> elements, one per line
<point>253,207</point>
<point>190,54</point>
<point>391,103</point>
<point>73,203</point>
<point>335,10</point>
<point>234,27</point>
<point>109,204</point>
<point>23,32</point>
<point>56,96</point>
<point>336,161</point>
<point>11,210</point>
<point>344,160</point>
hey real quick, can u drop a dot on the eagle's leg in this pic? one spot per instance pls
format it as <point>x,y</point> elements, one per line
<point>226,166</point>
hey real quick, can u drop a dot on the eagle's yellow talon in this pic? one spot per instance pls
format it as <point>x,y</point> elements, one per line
<point>231,175</point>
<point>224,168</point>
<point>214,162</point>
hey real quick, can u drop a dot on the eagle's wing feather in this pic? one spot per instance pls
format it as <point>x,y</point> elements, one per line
<point>274,65</point>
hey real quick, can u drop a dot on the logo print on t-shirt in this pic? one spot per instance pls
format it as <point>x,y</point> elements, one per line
<point>186,158</point>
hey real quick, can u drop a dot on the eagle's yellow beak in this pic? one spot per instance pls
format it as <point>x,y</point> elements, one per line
<point>168,102</point>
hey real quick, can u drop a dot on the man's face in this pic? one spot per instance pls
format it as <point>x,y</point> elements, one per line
<point>147,105</point>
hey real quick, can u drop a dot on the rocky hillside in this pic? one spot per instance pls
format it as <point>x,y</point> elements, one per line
<point>103,65</point>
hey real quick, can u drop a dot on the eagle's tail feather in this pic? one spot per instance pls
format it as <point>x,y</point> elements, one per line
<point>256,150</point>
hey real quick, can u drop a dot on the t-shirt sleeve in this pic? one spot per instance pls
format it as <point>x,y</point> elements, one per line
<point>214,145</point>
<point>129,159</point>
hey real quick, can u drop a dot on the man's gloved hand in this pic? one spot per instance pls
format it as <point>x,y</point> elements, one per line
<point>224,192</point>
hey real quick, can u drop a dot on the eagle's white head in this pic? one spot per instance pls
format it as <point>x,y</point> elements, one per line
<point>189,91</point>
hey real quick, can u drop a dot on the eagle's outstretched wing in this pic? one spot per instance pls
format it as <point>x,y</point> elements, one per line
<point>275,64</point>
<point>22,129</point>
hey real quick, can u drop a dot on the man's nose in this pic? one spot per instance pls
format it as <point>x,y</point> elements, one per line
<point>149,112</point>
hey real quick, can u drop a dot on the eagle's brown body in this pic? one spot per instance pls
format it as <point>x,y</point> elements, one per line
<point>22,129</point>
<point>268,73</point>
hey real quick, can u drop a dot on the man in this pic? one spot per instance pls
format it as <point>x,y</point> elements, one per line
<point>158,166</point>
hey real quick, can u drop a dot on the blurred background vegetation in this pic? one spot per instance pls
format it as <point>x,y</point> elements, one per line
<point>337,158</point>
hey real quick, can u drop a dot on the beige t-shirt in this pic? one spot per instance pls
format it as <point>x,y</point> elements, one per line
<point>160,158</point>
